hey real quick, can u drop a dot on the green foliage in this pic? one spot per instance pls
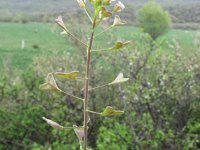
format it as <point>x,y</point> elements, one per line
<point>161,99</point>
<point>153,19</point>
<point>113,135</point>
<point>159,83</point>
<point>22,128</point>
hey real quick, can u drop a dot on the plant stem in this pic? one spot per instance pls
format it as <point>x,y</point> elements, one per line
<point>98,87</point>
<point>87,83</point>
<point>68,128</point>
<point>103,31</point>
<point>71,95</point>
<point>75,38</point>
<point>93,112</point>
<point>87,13</point>
<point>101,50</point>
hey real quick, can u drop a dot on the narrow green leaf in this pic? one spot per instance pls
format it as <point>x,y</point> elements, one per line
<point>110,112</point>
<point>50,84</point>
<point>119,79</point>
<point>71,75</point>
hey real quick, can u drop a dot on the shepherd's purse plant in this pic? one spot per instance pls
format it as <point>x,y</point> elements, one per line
<point>97,11</point>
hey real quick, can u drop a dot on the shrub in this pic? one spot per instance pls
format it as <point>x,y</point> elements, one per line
<point>153,19</point>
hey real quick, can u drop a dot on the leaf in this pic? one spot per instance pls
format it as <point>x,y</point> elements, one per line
<point>110,112</point>
<point>119,79</point>
<point>50,84</point>
<point>71,75</point>
<point>52,123</point>
<point>120,45</point>
<point>79,131</point>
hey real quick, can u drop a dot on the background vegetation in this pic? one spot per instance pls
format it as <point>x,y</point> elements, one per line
<point>161,100</point>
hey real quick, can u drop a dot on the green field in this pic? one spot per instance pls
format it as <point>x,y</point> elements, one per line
<point>43,39</point>
<point>39,39</point>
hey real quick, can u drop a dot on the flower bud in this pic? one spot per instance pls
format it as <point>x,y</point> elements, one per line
<point>107,2</point>
<point>52,123</point>
<point>60,22</point>
<point>118,7</point>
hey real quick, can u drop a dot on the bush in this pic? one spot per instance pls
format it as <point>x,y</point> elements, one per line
<point>22,128</point>
<point>114,136</point>
<point>153,19</point>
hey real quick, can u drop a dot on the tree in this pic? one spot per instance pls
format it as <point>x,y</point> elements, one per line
<point>154,20</point>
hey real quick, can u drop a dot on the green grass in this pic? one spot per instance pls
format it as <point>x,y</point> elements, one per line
<point>44,36</point>
<point>48,39</point>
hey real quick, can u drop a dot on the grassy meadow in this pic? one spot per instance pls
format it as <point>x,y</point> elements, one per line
<point>43,39</point>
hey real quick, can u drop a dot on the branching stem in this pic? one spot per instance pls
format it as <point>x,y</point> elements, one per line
<point>68,128</point>
<point>103,31</point>
<point>75,38</point>
<point>93,112</point>
<point>87,13</point>
<point>87,83</point>
<point>71,95</point>
<point>101,86</point>
<point>101,50</point>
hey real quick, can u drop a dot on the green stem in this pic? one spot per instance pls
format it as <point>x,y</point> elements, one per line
<point>87,83</point>
<point>103,32</point>
<point>93,112</point>
<point>87,13</point>
<point>68,128</point>
<point>99,87</point>
<point>101,50</point>
<point>71,95</point>
<point>74,37</point>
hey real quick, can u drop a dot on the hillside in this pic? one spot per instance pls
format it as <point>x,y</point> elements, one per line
<point>185,13</point>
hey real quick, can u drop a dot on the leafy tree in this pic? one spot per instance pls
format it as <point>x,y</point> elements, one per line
<point>153,19</point>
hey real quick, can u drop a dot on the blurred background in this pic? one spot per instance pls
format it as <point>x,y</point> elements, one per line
<point>161,99</point>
